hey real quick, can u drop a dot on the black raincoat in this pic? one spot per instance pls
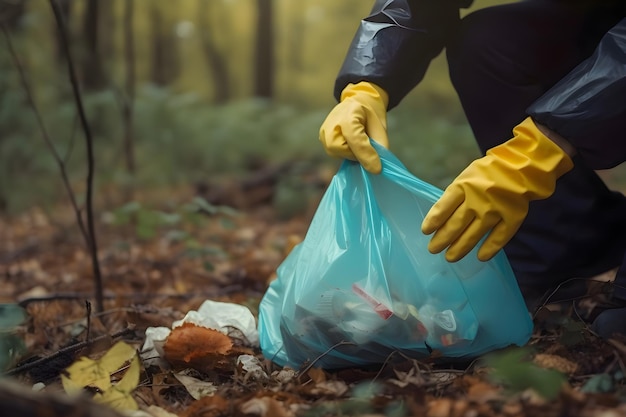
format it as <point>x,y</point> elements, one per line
<point>588,106</point>
<point>393,48</point>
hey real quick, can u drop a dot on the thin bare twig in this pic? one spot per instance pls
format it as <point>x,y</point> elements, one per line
<point>384,365</point>
<point>62,27</point>
<point>547,298</point>
<point>69,349</point>
<point>312,363</point>
<point>88,308</point>
<point>46,136</point>
<point>139,295</point>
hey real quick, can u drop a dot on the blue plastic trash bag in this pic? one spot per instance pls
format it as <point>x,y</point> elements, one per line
<point>362,284</point>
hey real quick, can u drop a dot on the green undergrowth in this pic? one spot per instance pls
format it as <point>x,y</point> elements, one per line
<point>182,139</point>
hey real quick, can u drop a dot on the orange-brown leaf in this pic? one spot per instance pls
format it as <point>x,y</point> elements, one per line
<point>214,406</point>
<point>193,345</point>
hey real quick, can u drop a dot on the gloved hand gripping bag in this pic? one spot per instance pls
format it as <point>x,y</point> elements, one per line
<point>362,283</point>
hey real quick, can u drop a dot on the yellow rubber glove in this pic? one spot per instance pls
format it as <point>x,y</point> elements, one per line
<point>491,195</point>
<point>361,114</point>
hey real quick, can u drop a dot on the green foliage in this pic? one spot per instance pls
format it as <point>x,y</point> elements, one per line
<point>182,139</point>
<point>11,345</point>
<point>599,383</point>
<point>179,135</point>
<point>177,226</point>
<point>514,369</point>
<point>569,329</point>
<point>148,222</point>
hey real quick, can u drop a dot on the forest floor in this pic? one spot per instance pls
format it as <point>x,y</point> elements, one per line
<point>156,273</point>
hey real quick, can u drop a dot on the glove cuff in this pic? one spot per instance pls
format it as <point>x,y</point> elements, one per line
<point>529,147</point>
<point>545,153</point>
<point>366,88</point>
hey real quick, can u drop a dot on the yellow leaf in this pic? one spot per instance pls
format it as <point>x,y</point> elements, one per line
<point>117,356</point>
<point>97,374</point>
<point>119,396</point>
<point>83,373</point>
<point>131,378</point>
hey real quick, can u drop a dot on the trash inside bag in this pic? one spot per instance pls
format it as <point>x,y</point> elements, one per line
<point>363,285</point>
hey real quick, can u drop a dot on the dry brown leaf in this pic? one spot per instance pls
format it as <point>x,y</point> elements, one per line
<point>481,392</point>
<point>334,388</point>
<point>197,388</point>
<point>197,347</point>
<point>317,375</point>
<point>405,378</point>
<point>156,411</point>
<point>460,408</point>
<point>512,409</point>
<point>573,395</point>
<point>215,406</point>
<point>618,345</point>
<point>144,316</point>
<point>167,390</point>
<point>292,241</point>
<point>439,407</point>
<point>266,407</point>
<point>555,362</point>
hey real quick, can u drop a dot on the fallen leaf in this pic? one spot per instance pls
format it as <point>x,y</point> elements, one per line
<point>197,347</point>
<point>405,378</point>
<point>215,406</point>
<point>96,374</point>
<point>266,407</point>
<point>481,392</point>
<point>292,241</point>
<point>617,345</point>
<point>284,376</point>
<point>197,388</point>
<point>332,388</point>
<point>440,407</point>
<point>152,411</point>
<point>317,375</point>
<point>87,372</point>
<point>556,362</point>
<point>119,396</point>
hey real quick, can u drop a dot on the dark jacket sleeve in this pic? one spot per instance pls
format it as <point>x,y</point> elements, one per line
<point>588,106</point>
<point>394,45</point>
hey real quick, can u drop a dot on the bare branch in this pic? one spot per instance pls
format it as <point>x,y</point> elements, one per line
<point>58,14</point>
<point>68,350</point>
<point>45,135</point>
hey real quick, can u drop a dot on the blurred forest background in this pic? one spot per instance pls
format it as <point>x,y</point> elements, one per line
<point>182,92</point>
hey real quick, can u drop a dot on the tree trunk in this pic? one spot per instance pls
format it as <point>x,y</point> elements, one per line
<point>11,13</point>
<point>165,61</point>
<point>264,59</point>
<point>129,59</point>
<point>65,6</point>
<point>214,58</point>
<point>93,74</point>
<point>296,35</point>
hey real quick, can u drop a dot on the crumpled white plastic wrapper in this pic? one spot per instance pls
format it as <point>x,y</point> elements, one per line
<point>231,319</point>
